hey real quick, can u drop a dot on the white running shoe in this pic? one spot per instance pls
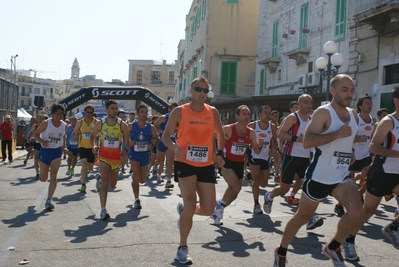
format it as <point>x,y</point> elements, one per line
<point>258,209</point>
<point>314,222</point>
<point>350,251</point>
<point>267,206</point>
<point>182,256</point>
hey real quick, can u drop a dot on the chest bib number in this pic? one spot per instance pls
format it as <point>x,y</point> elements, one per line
<point>340,161</point>
<point>71,142</point>
<point>140,146</point>
<point>197,153</point>
<point>86,135</point>
<point>111,142</point>
<point>238,149</point>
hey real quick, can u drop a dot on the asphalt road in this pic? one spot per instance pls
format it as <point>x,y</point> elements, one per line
<point>72,234</point>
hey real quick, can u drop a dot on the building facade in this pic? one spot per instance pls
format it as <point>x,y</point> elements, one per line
<point>220,44</point>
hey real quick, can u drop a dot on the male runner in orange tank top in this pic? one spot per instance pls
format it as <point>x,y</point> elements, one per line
<point>195,123</point>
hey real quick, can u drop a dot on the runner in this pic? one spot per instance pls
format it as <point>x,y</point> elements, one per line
<point>143,138</point>
<point>28,143</point>
<point>36,145</point>
<point>51,135</point>
<point>82,132</point>
<point>195,123</point>
<point>111,131</point>
<point>331,131</point>
<point>72,146</point>
<point>238,136</point>
<point>259,163</point>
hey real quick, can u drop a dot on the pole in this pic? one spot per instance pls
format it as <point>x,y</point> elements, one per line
<point>328,77</point>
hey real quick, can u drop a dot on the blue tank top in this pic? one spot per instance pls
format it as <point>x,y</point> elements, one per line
<point>70,143</point>
<point>27,130</point>
<point>141,137</point>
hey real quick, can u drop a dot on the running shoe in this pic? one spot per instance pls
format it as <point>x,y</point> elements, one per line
<point>98,182</point>
<point>396,213</point>
<point>83,188</point>
<point>291,200</point>
<point>179,209</point>
<point>25,162</point>
<point>217,215</point>
<point>169,184</point>
<point>267,206</point>
<point>159,179</point>
<point>245,181</point>
<point>350,251</point>
<point>137,204</point>
<point>72,172</point>
<point>277,178</point>
<point>334,255</point>
<point>123,170</point>
<point>48,205</point>
<point>279,261</point>
<point>392,235</point>
<point>68,172</point>
<point>182,256</point>
<point>314,222</point>
<point>104,214</point>
<point>258,209</point>
<point>339,210</point>
<point>37,176</point>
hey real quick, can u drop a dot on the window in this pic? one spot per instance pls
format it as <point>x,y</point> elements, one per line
<point>275,40</point>
<point>171,76</point>
<point>180,86</point>
<point>261,81</point>
<point>310,66</point>
<point>37,91</point>
<point>195,24</point>
<point>198,16</point>
<point>195,74</point>
<point>279,75</point>
<point>22,103</point>
<point>304,24</point>
<point>191,31</point>
<point>392,74</point>
<point>139,78</point>
<point>186,43</point>
<point>184,84</point>
<point>44,92</point>
<point>232,1</point>
<point>340,16</point>
<point>203,8</point>
<point>386,102</point>
<point>200,67</point>
<point>155,76</point>
<point>228,79</point>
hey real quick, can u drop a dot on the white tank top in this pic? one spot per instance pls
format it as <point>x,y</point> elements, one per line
<point>296,149</point>
<point>267,138</point>
<point>331,161</point>
<point>55,135</point>
<point>389,164</point>
<point>364,128</point>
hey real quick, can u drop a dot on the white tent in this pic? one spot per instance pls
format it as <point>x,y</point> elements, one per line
<point>23,114</point>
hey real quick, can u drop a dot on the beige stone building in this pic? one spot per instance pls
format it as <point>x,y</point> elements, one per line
<point>375,50</point>
<point>159,77</point>
<point>220,44</point>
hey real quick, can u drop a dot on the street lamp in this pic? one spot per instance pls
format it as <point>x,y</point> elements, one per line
<point>322,63</point>
<point>210,95</point>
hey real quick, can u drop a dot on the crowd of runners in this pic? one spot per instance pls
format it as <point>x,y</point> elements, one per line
<point>331,151</point>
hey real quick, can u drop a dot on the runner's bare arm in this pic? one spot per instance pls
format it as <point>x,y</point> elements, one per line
<point>376,147</point>
<point>155,136</point>
<point>257,147</point>
<point>126,136</point>
<point>173,122</point>
<point>285,127</point>
<point>93,136</point>
<point>75,133</point>
<point>158,122</point>
<point>274,138</point>
<point>42,127</point>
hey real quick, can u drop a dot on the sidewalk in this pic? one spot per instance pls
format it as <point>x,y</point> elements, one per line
<point>18,154</point>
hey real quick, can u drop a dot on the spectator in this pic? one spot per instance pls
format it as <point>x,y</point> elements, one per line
<point>6,128</point>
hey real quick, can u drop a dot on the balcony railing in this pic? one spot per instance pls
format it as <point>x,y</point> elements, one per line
<point>365,5</point>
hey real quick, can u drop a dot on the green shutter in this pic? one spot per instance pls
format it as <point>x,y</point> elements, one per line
<point>261,81</point>
<point>386,102</point>
<point>340,18</point>
<point>304,24</point>
<point>203,8</point>
<point>229,77</point>
<point>232,1</point>
<point>180,86</point>
<point>275,40</point>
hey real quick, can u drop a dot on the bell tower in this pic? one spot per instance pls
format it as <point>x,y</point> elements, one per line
<point>75,70</point>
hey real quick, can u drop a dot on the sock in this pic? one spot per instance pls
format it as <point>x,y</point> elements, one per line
<point>256,202</point>
<point>83,183</point>
<point>168,179</point>
<point>282,251</point>
<point>48,200</point>
<point>292,194</point>
<point>334,244</point>
<point>351,238</point>
<point>222,203</point>
<point>394,225</point>
<point>103,208</point>
<point>268,197</point>
<point>136,199</point>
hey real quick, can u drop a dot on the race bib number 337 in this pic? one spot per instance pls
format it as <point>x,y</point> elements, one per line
<point>197,153</point>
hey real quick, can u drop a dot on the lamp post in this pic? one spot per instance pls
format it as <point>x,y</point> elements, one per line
<point>322,63</point>
<point>210,95</point>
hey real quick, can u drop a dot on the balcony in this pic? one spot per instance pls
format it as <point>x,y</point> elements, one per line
<point>300,55</point>
<point>270,63</point>
<point>381,15</point>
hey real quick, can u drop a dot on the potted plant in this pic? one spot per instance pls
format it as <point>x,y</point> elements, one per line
<point>284,35</point>
<point>304,30</point>
<point>292,31</point>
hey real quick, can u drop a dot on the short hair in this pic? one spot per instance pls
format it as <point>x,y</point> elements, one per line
<point>360,101</point>
<point>395,94</point>
<point>274,112</point>
<point>132,113</point>
<point>120,111</point>
<point>238,110</point>
<point>89,106</point>
<point>199,79</point>
<point>140,107</point>
<point>303,96</point>
<point>56,107</point>
<point>110,102</point>
<point>381,110</point>
<point>293,103</point>
<point>334,81</point>
<point>262,108</point>
<point>173,104</point>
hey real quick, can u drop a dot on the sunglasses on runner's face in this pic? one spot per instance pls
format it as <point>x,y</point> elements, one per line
<point>200,89</point>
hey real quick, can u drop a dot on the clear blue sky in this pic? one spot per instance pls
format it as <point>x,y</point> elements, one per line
<point>48,35</point>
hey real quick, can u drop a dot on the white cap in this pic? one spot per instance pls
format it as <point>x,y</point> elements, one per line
<point>8,117</point>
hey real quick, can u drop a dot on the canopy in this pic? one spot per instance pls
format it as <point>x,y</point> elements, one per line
<point>23,114</point>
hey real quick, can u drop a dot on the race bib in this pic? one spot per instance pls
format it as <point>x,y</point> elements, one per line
<point>72,142</point>
<point>52,139</point>
<point>86,135</point>
<point>340,161</point>
<point>111,142</point>
<point>238,148</point>
<point>141,146</point>
<point>197,153</point>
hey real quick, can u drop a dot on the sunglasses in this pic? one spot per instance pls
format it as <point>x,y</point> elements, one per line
<point>89,112</point>
<point>200,89</point>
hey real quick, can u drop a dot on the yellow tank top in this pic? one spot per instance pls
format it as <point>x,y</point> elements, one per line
<point>110,140</point>
<point>85,132</point>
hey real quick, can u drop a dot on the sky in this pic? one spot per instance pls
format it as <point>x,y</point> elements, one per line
<point>103,35</point>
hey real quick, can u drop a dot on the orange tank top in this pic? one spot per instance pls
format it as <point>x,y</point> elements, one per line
<point>195,135</point>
